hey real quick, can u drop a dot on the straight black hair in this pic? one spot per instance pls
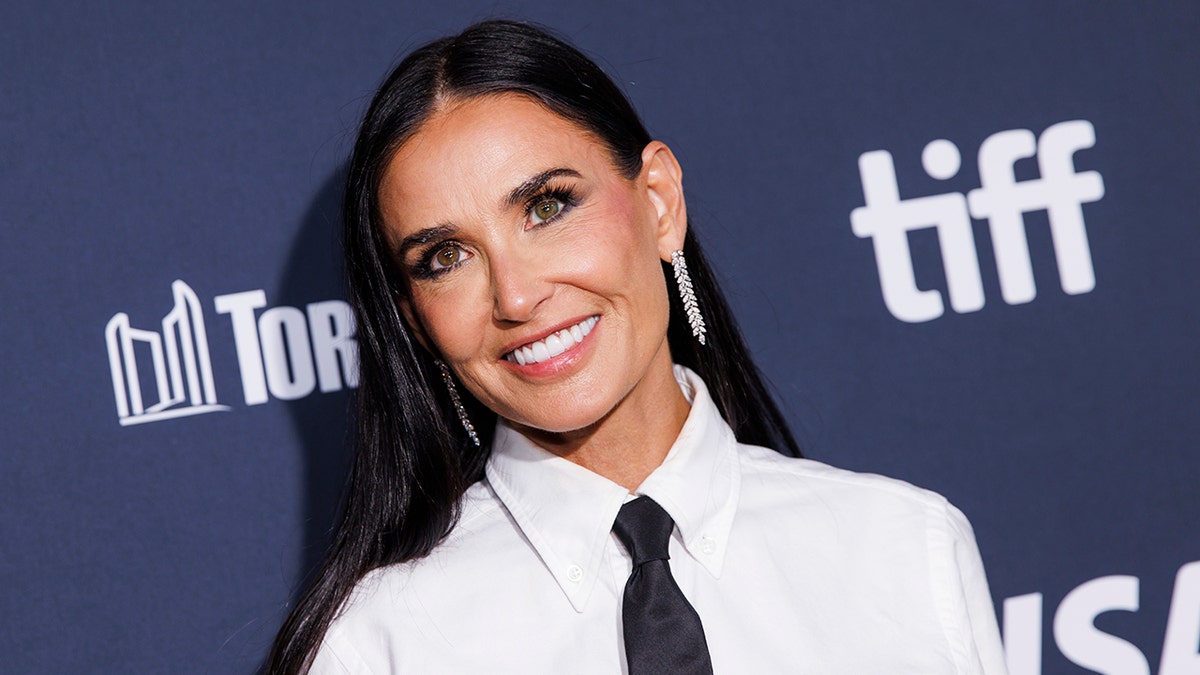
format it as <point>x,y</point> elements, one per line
<point>413,460</point>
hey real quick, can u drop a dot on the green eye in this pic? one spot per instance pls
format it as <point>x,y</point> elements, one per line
<point>546,209</point>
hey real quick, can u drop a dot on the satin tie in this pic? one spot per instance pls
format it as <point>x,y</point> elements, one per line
<point>663,633</point>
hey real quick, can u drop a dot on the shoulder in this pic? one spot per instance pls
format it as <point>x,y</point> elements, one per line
<point>875,527</point>
<point>782,484</point>
<point>408,598</point>
<point>875,539</point>
<point>481,522</point>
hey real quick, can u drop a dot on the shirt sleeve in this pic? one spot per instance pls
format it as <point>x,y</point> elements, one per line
<point>976,608</point>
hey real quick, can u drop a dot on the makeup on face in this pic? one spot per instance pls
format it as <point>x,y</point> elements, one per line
<point>532,264</point>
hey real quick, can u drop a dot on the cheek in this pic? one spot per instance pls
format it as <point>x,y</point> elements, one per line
<point>450,317</point>
<point>618,258</point>
<point>617,242</point>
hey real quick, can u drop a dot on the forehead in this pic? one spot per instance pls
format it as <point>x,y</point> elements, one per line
<point>472,153</point>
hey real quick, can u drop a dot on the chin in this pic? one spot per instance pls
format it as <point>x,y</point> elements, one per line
<point>561,424</point>
<point>571,417</point>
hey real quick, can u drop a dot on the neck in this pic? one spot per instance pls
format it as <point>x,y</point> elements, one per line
<point>633,439</point>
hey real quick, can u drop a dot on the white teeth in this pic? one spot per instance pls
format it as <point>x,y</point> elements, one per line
<point>552,345</point>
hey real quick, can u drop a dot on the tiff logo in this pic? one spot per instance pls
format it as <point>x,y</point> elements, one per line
<point>1001,200</point>
<point>284,352</point>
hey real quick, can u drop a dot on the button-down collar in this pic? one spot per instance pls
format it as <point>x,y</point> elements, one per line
<point>566,511</point>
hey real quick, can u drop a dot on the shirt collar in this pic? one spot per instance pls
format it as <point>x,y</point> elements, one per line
<point>566,511</point>
<point>699,481</point>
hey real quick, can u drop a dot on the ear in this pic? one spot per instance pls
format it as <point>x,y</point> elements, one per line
<point>664,186</point>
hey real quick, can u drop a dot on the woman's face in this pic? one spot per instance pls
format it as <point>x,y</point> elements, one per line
<point>533,265</point>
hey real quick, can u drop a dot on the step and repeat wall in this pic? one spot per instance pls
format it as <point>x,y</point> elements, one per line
<point>962,240</point>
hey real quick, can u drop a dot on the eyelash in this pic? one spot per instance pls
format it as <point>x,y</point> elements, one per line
<point>569,198</point>
<point>561,193</point>
<point>423,268</point>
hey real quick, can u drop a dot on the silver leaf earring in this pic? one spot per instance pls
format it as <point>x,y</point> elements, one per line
<point>457,401</point>
<point>684,281</point>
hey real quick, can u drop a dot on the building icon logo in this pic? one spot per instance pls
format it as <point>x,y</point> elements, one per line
<point>183,376</point>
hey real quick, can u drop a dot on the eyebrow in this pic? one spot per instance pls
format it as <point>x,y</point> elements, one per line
<point>519,195</point>
<point>529,189</point>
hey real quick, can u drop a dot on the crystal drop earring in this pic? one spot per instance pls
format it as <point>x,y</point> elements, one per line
<point>457,401</point>
<point>683,280</point>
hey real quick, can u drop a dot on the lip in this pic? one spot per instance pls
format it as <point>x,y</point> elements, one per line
<point>534,337</point>
<point>555,364</point>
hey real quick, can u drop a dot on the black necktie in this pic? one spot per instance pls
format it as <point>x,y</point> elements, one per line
<point>662,631</point>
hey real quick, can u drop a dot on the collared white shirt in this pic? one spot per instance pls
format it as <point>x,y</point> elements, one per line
<point>793,567</point>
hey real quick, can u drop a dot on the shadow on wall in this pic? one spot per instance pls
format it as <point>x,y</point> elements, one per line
<point>314,272</point>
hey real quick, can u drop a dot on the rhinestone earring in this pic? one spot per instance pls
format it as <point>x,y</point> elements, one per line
<point>457,401</point>
<point>684,281</point>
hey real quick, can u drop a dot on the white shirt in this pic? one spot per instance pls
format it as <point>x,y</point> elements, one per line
<point>793,567</point>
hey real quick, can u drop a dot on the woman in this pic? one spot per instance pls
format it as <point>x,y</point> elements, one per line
<point>549,375</point>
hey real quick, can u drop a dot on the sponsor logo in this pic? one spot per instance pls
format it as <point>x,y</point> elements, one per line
<point>1001,200</point>
<point>1082,643</point>
<point>183,375</point>
<point>284,352</point>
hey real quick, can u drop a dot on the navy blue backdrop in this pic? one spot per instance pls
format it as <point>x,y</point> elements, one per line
<point>1008,317</point>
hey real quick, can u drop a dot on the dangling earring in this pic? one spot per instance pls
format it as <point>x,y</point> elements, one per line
<point>458,406</point>
<point>684,281</point>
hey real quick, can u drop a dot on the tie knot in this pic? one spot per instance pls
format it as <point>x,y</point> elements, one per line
<point>645,529</point>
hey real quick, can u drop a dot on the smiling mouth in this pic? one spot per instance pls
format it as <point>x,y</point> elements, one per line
<point>552,345</point>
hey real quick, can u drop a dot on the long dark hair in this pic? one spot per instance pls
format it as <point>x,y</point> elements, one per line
<point>413,460</point>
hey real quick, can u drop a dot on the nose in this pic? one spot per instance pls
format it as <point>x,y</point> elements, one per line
<point>519,287</point>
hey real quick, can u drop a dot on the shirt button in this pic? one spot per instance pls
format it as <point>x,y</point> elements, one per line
<point>574,573</point>
<point>708,545</point>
